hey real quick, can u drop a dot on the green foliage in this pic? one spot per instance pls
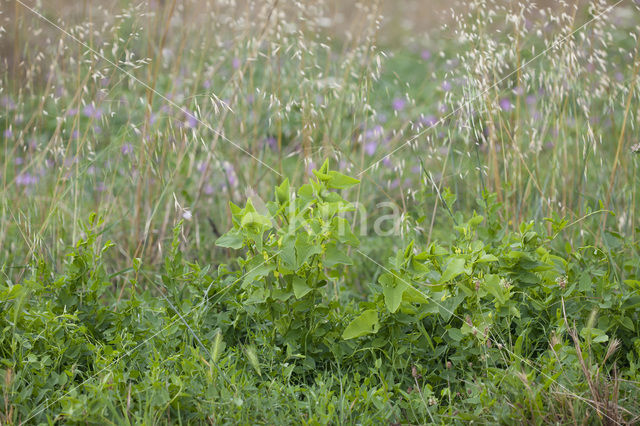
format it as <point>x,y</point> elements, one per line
<point>441,332</point>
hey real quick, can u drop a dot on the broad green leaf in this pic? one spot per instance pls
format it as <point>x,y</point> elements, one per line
<point>334,256</point>
<point>300,287</point>
<point>305,248</point>
<point>282,192</point>
<point>495,288</point>
<point>254,219</point>
<point>454,268</point>
<point>232,239</point>
<point>339,181</point>
<point>288,252</point>
<point>256,268</point>
<point>393,289</point>
<point>365,323</point>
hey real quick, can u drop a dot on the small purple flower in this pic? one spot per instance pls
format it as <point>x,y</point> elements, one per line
<point>370,148</point>
<point>398,104</point>
<point>72,111</point>
<point>505,104</point>
<point>429,120</point>
<point>531,99</point>
<point>8,103</point>
<point>235,63</point>
<point>8,133</point>
<point>26,179</point>
<point>374,134</point>
<point>230,174</point>
<point>127,149</point>
<point>18,161</point>
<point>446,86</point>
<point>386,161</point>
<point>311,165</point>
<point>272,142</point>
<point>425,55</point>
<point>192,121</point>
<point>91,111</point>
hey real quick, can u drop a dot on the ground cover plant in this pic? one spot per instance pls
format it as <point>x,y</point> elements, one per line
<point>290,212</point>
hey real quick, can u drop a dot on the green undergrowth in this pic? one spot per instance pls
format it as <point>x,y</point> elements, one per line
<point>491,325</point>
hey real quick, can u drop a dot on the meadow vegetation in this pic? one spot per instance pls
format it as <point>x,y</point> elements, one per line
<point>296,212</point>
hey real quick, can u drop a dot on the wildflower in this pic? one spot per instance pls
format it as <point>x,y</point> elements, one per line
<point>186,215</point>
<point>191,120</point>
<point>429,120</point>
<point>272,142</point>
<point>91,111</point>
<point>398,104</point>
<point>636,148</point>
<point>26,179</point>
<point>370,148</point>
<point>235,63</point>
<point>230,173</point>
<point>425,55</point>
<point>446,86</point>
<point>505,104</point>
<point>127,149</point>
<point>562,281</point>
<point>8,103</point>
<point>8,133</point>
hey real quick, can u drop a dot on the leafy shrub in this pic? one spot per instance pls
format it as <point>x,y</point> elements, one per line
<point>489,312</point>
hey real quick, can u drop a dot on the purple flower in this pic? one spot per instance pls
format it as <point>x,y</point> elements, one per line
<point>426,55</point>
<point>505,104</point>
<point>235,63</point>
<point>370,148</point>
<point>26,179</point>
<point>230,174</point>
<point>192,121</point>
<point>387,162</point>
<point>374,134</point>
<point>398,104</point>
<point>272,142</point>
<point>310,166</point>
<point>8,103</point>
<point>72,111</point>
<point>531,99</point>
<point>18,161</point>
<point>91,111</point>
<point>8,133</point>
<point>429,120</point>
<point>127,149</point>
<point>446,86</point>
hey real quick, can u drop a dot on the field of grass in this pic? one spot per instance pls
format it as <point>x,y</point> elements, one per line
<point>283,212</point>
